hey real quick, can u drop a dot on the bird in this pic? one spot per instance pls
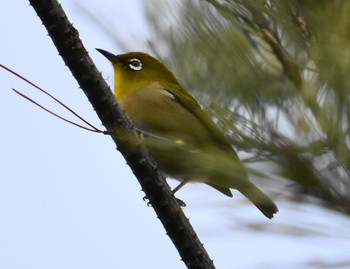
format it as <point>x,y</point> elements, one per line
<point>182,138</point>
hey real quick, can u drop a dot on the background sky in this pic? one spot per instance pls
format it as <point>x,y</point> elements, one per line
<point>67,198</point>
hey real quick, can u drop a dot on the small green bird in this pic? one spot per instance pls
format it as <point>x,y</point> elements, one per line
<point>182,138</point>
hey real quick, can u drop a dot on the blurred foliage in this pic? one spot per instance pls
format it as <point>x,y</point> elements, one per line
<point>274,75</point>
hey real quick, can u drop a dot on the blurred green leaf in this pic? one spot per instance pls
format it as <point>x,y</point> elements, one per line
<point>275,76</point>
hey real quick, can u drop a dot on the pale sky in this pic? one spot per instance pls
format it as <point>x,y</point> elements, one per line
<point>67,198</point>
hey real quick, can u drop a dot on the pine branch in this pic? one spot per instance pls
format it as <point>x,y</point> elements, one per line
<point>271,37</point>
<point>284,69</point>
<point>70,47</point>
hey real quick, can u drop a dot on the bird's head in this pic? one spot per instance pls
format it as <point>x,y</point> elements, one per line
<point>136,69</point>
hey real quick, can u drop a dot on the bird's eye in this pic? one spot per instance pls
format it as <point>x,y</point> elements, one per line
<point>135,64</point>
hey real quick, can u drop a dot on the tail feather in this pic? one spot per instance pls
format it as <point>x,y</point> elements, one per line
<point>260,200</point>
<point>223,190</point>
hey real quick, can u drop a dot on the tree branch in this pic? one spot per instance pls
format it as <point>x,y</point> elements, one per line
<point>70,47</point>
<point>290,68</point>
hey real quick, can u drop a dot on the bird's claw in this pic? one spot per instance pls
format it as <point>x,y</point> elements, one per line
<point>181,203</point>
<point>149,204</point>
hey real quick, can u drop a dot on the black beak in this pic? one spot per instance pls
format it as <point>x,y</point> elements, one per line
<point>113,58</point>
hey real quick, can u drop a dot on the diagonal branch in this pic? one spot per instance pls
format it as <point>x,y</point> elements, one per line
<point>271,37</point>
<point>70,47</point>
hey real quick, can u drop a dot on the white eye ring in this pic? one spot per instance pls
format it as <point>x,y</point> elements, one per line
<point>135,64</point>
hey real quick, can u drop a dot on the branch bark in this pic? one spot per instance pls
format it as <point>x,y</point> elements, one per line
<point>75,56</point>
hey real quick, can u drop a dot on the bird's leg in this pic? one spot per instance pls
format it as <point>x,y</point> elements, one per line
<point>182,183</point>
<point>181,203</point>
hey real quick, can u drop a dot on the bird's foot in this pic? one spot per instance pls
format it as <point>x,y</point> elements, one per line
<point>181,203</point>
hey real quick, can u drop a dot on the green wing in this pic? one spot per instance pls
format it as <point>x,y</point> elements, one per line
<point>190,104</point>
